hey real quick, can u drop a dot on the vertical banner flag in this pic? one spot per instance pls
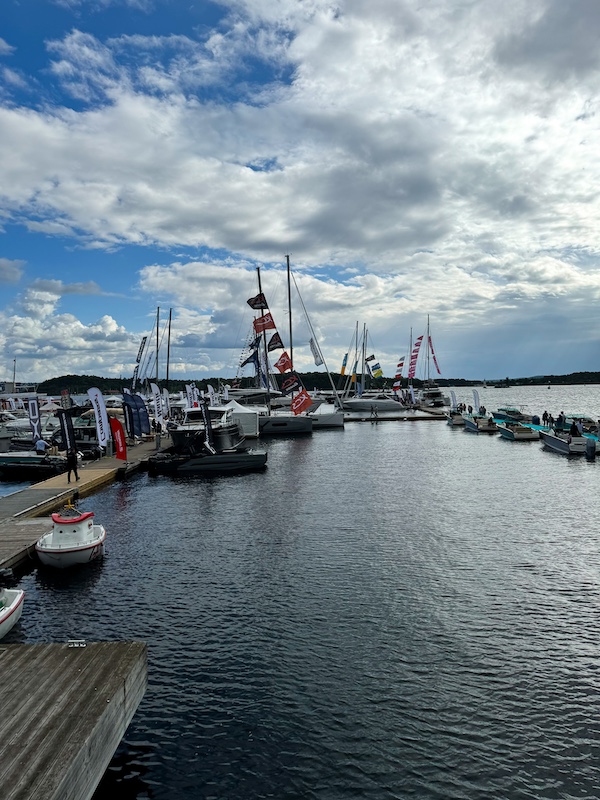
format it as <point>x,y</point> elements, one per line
<point>140,405</point>
<point>208,431</point>
<point>476,401</point>
<point>189,395</point>
<point>344,362</point>
<point>211,394</point>
<point>412,367</point>
<point>66,429</point>
<point>102,429</point>
<point>263,323</point>
<point>166,404</point>
<point>118,435</point>
<point>301,402</point>
<point>433,356</point>
<point>132,416</point>
<point>316,353</point>
<point>65,398</point>
<point>453,398</point>
<point>158,416</point>
<point>33,409</point>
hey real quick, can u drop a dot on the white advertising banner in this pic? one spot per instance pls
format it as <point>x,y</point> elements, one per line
<point>102,427</point>
<point>156,396</point>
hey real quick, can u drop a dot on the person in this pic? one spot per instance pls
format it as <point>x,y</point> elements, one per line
<point>40,446</point>
<point>545,417</point>
<point>72,464</point>
<point>579,425</point>
<point>573,430</point>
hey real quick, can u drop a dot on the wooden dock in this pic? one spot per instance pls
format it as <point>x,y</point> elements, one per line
<point>65,708</point>
<point>24,515</point>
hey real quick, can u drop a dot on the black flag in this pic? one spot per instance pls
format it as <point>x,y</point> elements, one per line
<point>258,303</point>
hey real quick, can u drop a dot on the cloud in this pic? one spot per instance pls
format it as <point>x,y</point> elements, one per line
<point>11,271</point>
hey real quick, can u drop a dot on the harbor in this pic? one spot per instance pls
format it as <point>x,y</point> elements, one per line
<point>381,601</point>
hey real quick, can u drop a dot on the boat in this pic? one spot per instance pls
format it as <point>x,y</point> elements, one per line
<point>190,435</point>
<point>562,442</point>
<point>455,417</point>
<point>29,465</point>
<point>430,395</point>
<point>73,540</point>
<point>326,415</point>
<point>206,463</point>
<point>517,432</point>
<point>11,608</point>
<point>479,423</point>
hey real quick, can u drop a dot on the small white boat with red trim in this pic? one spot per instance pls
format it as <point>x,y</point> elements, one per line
<point>74,539</point>
<point>11,607</point>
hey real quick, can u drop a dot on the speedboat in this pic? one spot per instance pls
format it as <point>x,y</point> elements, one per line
<point>73,540</point>
<point>28,464</point>
<point>517,432</point>
<point>562,442</point>
<point>455,417</point>
<point>479,423</point>
<point>11,607</point>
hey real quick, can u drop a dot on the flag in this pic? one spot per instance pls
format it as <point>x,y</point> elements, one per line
<point>102,429</point>
<point>412,367</point>
<point>274,342</point>
<point>370,358</point>
<point>283,363</point>
<point>252,359</point>
<point>119,438</point>
<point>433,356</point>
<point>132,416</point>
<point>301,402</point>
<point>314,349</point>
<point>376,370</point>
<point>158,415</point>
<point>264,323</point>
<point>399,368</point>
<point>344,362</point>
<point>140,405</point>
<point>258,303</point>
<point>141,350</point>
<point>290,383</point>
<point>66,429</point>
<point>33,409</point>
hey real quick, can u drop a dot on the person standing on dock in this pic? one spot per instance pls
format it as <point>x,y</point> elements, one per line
<point>72,464</point>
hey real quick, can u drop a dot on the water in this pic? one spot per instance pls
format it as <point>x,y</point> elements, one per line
<point>393,610</point>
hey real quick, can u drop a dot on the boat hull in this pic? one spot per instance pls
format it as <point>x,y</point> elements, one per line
<point>282,425</point>
<point>53,554</point>
<point>518,433</point>
<point>371,404</point>
<point>29,465</point>
<point>221,463</point>
<point>567,446</point>
<point>480,425</point>
<point>11,608</point>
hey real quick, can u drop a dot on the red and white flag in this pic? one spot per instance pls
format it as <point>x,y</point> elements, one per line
<point>118,435</point>
<point>301,402</point>
<point>412,367</point>
<point>264,323</point>
<point>283,362</point>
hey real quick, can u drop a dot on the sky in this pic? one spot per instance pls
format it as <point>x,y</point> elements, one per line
<point>415,160</point>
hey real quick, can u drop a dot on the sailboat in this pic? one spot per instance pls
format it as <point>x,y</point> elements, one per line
<point>370,401</point>
<point>430,395</point>
<point>274,422</point>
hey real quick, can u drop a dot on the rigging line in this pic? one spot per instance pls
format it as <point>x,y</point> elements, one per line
<point>314,336</point>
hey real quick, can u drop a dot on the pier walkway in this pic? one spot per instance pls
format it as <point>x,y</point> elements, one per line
<point>65,708</point>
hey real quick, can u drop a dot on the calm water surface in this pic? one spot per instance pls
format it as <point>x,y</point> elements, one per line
<point>394,610</point>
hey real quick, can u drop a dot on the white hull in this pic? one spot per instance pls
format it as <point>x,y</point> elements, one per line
<point>480,424</point>
<point>567,445</point>
<point>326,416</point>
<point>11,608</point>
<point>73,540</point>
<point>454,418</point>
<point>371,404</point>
<point>517,433</point>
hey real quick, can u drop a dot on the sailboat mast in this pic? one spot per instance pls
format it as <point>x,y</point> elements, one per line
<point>266,354</point>
<point>169,346</point>
<point>428,347</point>
<point>157,325</point>
<point>289,288</point>
<point>14,374</point>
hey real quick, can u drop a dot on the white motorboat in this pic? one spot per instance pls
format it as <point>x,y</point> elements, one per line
<point>11,607</point>
<point>479,423</point>
<point>73,540</point>
<point>517,432</point>
<point>568,445</point>
<point>455,417</point>
<point>326,415</point>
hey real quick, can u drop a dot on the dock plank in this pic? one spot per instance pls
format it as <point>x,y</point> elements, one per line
<point>77,705</point>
